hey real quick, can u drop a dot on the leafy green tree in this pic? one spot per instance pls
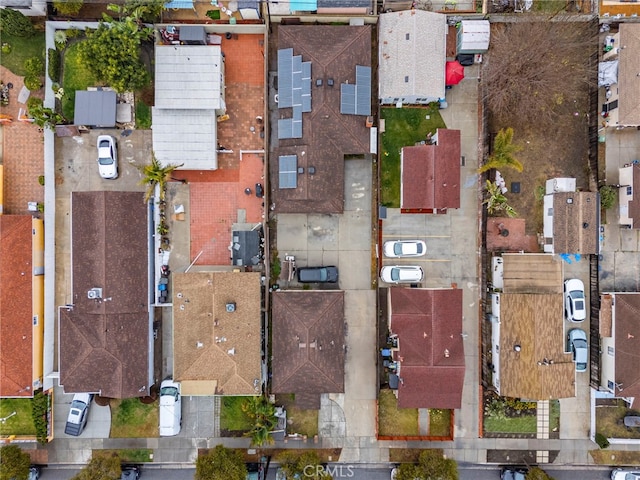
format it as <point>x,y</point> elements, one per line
<point>112,53</point>
<point>496,202</point>
<point>537,473</point>
<point>101,467</point>
<point>263,415</point>
<point>148,11</point>
<point>155,174</point>
<point>68,8</point>
<point>431,465</point>
<point>504,151</point>
<point>12,22</point>
<point>307,465</point>
<point>608,196</point>
<point>14,463</point>
<point>42,116</point>
<point>221,464</point>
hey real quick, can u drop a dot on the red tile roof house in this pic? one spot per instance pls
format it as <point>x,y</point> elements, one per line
<point>308,345</point>
<point>620,344</point>
<point>21,304</point>
<point>430,351</point>
<point>430,174</point>
<point>104,337</point>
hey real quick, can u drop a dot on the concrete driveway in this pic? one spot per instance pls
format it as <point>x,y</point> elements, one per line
<point>98,424</point>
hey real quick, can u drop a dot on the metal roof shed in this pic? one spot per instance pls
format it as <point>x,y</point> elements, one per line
<point>473,36</point>
<point>95,108</point>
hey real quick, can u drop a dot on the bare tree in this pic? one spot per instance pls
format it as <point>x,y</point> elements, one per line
<point>537,69</point>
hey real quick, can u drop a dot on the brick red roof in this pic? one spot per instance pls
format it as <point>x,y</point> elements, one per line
<point>16,340</point>
<point>308,343</point>
<point>104,343</point>
<point>627,341</point>
<point>431,354</point>
<point>431,173</point>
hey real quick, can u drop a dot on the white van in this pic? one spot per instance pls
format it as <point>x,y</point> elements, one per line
<point>170,408</point>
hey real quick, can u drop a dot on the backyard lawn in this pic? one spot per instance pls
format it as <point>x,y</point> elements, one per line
<point>233,421</point>
<point>610,421</point>
<point>403,127</point>
<point>75,76</point>
<point>21,49</point>
<point>130,418</point>
<point>394,421</point>
<point>20,423</point>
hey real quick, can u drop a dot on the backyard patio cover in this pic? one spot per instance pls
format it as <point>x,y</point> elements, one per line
<point>95,108</point>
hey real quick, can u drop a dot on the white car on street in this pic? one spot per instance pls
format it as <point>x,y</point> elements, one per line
<point>404,248</point>
<point>575,307</point>
<point>401,274</point>
<point>107,157</point>
<point>625,474</point>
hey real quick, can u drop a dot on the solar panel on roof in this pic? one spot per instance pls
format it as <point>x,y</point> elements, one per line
<point>348,99</point>
<point>287,171</point>
<point>285,77</point>
<point>285,128</point>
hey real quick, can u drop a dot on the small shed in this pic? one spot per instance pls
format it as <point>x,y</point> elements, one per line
<point>95,108</point>
<point>473,36</point>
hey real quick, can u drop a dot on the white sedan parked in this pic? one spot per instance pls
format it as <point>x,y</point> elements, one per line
<point>401,274</point>
<point>107,157</point>
<point>404,248</point>
<point>574,307</point>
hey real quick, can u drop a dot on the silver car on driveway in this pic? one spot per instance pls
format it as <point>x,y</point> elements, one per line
<point>404,248</point>
<point>107,157</point>
<point>579,348</point>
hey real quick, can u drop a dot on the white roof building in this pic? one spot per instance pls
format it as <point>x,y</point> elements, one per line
<point>189,96</point>
<point>412,56</point>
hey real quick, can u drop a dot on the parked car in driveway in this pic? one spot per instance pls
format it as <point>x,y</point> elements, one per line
<point>401,274</point>
<point>170,408</point>
<point>317,274</point>
<point>625,474</point>
<point>575,308</point>
<point>579,349</point>
<point>107,157</point>
<point>404,248</point>
<point>78,414</point>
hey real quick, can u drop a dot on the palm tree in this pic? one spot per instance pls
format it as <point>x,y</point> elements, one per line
<point>504,151</point>
<point>263,414</point>
<point>155,174</point>
<point>496,202</point>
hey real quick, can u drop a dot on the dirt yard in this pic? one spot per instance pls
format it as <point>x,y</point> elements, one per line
<point>558,148</point>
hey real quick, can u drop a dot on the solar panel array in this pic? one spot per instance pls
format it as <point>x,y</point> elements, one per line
<point>287,171</point>
<point>356,99</point>
<point>294,91</point>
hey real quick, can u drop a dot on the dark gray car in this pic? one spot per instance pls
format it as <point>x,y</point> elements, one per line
<point>317,275</point>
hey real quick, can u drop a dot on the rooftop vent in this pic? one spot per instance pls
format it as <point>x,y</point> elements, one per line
<point>94,293</point>
<point>231,307</point>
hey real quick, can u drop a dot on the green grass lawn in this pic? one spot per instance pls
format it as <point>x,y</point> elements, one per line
<point>554,415</point>
<point>439,423</point>
<point>132,455</point>
<point>522,424</point>
<point>232,418</point>
<point>304,422</point>
<point>143,114</point>
<point>403,127</point>
<point>130,418</point>
<point>75,76</point>
<point>610,421</point>
<point>394,421</point>
<point>21,49</point>
<point>22,422</point>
